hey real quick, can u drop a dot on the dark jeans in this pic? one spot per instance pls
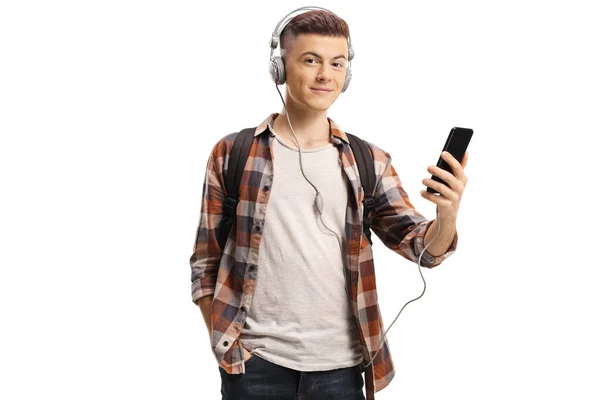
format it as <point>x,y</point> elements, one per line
<point>265,380</point>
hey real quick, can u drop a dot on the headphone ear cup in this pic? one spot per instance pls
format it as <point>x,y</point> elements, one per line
<point>347,80</point>
<point>277,70</point>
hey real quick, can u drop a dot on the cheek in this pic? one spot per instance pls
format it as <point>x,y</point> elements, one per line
<point>294,80</point>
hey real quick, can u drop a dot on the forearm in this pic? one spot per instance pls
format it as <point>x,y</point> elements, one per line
<point>205,304</point>
<point>444,239</point>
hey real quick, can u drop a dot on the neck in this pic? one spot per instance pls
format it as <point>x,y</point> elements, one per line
<point>310,126</point>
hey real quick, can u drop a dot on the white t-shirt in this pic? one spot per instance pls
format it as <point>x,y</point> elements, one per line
<point>300,316</point>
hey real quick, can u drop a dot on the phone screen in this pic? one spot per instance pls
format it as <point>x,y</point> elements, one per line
<point>456,144</point>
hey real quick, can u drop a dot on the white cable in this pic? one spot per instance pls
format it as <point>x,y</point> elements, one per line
<point>319,198</point>
<point>319,202</point>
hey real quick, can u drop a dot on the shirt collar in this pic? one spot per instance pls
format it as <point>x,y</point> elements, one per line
<point>334,129</point>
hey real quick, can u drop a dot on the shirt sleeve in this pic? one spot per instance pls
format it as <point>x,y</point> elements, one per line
<point>398,224</point>
<point>206,253</point>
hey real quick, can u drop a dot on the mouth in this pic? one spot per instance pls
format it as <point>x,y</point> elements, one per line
<point>321,90</point>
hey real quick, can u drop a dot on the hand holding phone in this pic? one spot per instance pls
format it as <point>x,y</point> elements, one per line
<point>456,144</point>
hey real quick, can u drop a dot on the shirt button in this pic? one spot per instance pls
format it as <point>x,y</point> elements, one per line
<point>257,228</point>
<point>266,187</point>
<point>225,343</point>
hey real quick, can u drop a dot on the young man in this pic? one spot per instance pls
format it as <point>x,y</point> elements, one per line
<point>290,303</point>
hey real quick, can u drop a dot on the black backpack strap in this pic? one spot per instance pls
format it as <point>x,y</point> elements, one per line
<point>366,169</point>
<point>235,169</point>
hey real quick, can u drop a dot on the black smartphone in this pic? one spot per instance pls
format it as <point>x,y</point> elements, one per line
<point>456,144</point>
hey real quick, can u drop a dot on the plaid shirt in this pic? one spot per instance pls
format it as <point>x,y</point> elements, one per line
<point>231,276</point>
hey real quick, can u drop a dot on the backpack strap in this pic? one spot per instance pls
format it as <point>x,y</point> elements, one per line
<point>235,169</point>
<point>366,170</point>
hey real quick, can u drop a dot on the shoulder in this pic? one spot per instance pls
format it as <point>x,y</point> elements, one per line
<point>381,158</point>
<point>222,148</point>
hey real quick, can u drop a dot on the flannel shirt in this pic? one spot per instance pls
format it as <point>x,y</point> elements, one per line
<point>229,274</point>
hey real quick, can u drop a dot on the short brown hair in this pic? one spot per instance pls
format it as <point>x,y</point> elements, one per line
<point>314,21</point>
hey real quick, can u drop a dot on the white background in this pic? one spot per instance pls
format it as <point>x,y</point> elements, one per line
<point>108,111</point>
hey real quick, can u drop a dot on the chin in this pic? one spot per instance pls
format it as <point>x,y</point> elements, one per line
<point>318,107</point>
<point>321,105</point>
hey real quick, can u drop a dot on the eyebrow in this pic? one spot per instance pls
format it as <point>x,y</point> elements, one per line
<point>318,56</point>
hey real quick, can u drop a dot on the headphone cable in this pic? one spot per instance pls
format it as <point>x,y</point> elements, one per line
<point>319,202</point>
<point>319,198</point>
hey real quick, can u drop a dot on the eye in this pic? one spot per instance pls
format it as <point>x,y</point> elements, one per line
<point>310,59</point>
<point>339,65</point>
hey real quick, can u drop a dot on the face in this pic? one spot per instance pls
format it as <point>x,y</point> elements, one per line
<point>315,67</point>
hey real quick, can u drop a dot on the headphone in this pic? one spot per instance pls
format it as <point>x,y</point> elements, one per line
<point>276,67</point>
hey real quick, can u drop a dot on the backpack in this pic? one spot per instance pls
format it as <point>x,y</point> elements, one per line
<point>237,161</point>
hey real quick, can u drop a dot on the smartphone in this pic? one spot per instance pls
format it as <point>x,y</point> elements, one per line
<point>456,144</point>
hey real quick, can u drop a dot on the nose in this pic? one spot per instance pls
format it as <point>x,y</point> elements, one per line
<point>325,73</point>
